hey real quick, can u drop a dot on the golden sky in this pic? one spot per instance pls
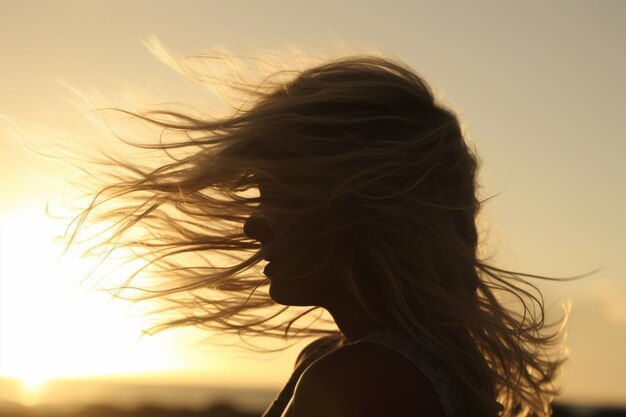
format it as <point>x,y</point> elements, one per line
<point>539,85</point>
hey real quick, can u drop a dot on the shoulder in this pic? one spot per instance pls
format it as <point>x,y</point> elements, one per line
<point>364,380</point>
<point>319,348</point>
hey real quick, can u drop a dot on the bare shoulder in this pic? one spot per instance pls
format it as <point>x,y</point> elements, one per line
<point>366,380</point>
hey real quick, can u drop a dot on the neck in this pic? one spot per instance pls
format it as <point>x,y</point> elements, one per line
<point>353,320</point>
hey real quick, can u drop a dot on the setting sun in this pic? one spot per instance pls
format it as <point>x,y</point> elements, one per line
<point>52,326</point>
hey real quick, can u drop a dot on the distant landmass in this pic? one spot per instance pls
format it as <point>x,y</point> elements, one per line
<point>71,395</point>
<point>75,398</point>
<point>217,410</point>
<point>223,409</point>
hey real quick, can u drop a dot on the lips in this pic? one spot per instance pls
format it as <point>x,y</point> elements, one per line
<point>268,268</point>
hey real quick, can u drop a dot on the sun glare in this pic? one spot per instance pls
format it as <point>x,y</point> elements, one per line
<point>50,326</point>
<point>31,388</point>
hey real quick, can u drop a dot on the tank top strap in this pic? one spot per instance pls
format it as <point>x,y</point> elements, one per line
<point>309,354</point>
<point>442,380</point>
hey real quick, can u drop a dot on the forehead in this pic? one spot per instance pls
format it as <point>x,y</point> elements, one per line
<point>269,190</point>
<point>280,192</point>
<point>265,185</point>
<point>270,185</point>
<point>286,185</point>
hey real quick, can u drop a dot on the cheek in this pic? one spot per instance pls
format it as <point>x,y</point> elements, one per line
<point>296,293</point>
<point>294,285</point>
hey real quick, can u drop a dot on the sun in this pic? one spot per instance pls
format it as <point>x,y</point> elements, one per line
<point>31,389</point>
<point>53,327</point>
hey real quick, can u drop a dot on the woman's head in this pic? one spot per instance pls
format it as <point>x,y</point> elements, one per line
<point>360,155</point>
<point>367,189</point>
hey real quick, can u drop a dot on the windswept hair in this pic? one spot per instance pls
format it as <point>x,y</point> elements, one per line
<point>359,147</point>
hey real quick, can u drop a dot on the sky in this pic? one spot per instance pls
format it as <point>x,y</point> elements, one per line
<point>540,89</point>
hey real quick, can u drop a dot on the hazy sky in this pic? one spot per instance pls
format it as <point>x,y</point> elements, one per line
<point>539,85</point>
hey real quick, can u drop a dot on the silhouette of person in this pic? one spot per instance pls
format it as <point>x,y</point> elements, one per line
<point>367,208</point>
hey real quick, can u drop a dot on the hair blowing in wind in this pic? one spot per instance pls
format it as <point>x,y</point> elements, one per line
<point>360,148</point>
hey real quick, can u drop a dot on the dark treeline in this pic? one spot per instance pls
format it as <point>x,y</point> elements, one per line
<point>227,410</point>
<point>216,410</point>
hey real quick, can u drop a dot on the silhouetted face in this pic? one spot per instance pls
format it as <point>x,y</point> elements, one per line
<point>289,269</point>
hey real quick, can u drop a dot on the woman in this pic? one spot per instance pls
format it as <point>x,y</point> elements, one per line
<point>367,209</point>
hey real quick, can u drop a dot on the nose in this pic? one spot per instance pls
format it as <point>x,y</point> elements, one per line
<point>257,229</point>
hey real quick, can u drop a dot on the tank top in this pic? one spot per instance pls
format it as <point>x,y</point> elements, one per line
<point>444,383</point>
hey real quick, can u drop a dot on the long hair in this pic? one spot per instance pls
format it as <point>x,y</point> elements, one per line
<point>360,147</point>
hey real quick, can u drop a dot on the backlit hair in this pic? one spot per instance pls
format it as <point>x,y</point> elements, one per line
<point>362,138</point>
